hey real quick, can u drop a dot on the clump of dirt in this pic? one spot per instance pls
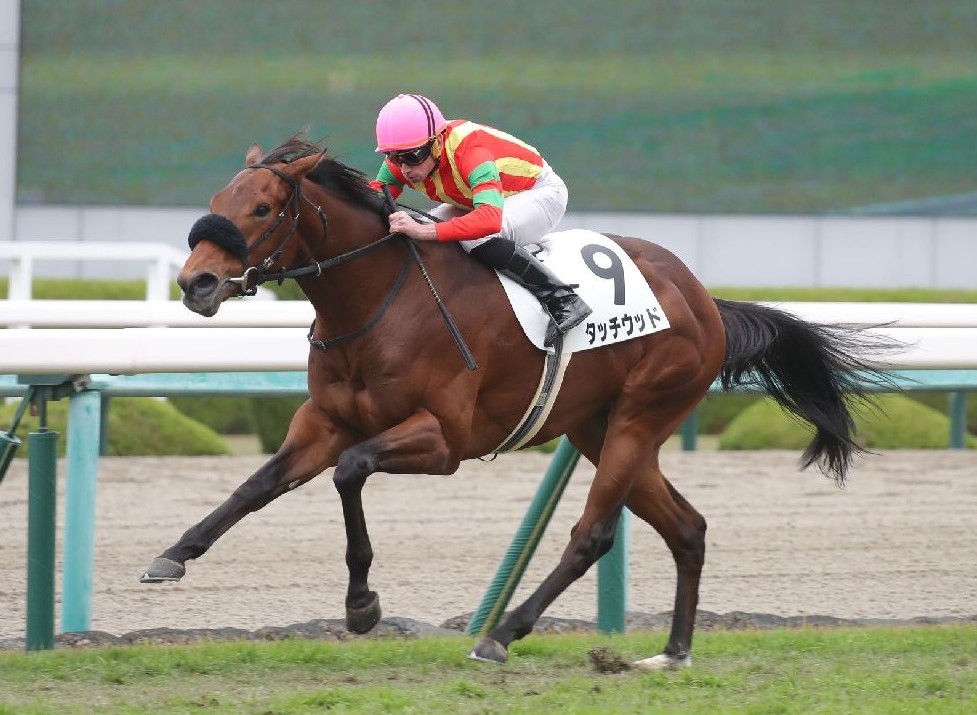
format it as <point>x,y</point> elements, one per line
<point>607,660</point>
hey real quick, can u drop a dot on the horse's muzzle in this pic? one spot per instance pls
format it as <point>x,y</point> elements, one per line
<point>201,293</point>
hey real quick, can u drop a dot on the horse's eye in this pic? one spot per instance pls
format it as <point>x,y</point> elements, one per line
<point>262,210</point>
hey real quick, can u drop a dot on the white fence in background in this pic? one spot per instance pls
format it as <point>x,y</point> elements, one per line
<point>243,313</point>
<point>254,313</point>
<point>162,262</point>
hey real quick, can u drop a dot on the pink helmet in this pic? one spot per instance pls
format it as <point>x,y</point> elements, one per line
<point>408,121</point>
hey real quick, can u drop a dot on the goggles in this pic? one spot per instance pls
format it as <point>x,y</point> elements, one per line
<point>411,157</point>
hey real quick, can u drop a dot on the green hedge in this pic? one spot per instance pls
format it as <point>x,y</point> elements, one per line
<point>897,422</point>
<point>716,411</point>
<point>224,414</point>
<point>82,289</point>
<point>137,427</point>
<point>272,417</point>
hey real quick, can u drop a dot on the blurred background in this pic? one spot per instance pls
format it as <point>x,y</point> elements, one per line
<point>746,106</point>
<point>724,130</point>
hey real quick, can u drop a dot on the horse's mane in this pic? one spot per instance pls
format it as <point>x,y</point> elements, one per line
<point>330,173</point>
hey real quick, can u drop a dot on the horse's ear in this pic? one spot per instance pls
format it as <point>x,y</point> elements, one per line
<point>255,152</point>
<point>300,167</point>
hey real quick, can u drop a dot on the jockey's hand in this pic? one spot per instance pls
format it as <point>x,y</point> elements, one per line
<point>401,222</point>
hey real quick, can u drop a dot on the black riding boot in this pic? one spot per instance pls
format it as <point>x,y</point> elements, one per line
<point>566,308</point>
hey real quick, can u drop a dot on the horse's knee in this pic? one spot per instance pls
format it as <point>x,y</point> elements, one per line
<point>352,468</point>
<point>604,540</point>
<point>262,487</point>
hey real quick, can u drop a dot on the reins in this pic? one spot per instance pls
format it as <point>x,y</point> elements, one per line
<point>254,276</point>
<point>448,320</point>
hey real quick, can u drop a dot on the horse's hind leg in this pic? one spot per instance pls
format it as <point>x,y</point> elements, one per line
<point>653,499</point>
<point>591,537</point>
<point>588,543</point>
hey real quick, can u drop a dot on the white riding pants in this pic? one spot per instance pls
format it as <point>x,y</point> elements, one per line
<point>527,216</point>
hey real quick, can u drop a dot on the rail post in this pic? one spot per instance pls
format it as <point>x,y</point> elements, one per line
<point>613,580</point>
<point>41,518</point>
<point>690,431</point>
<point>526,539</point>
<point>81,482</point>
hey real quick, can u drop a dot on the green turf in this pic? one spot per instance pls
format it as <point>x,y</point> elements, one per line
<point>870,670</point>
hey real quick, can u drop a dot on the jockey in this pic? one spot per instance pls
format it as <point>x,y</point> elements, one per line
<point>498,195</point>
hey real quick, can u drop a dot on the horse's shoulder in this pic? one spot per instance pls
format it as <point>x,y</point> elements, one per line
<point>454,261</point>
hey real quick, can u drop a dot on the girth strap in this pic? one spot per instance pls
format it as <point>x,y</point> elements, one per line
<point>554,367</point>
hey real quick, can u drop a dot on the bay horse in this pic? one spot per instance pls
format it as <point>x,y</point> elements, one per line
<point>389,390</point>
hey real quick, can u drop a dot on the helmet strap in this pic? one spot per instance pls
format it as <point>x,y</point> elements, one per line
<point>437,149</point>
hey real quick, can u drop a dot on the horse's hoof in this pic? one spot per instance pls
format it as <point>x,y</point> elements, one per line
<point>162,570</point>
<point>490,651</point>
<point>362,620</point>
<point>661,662</point>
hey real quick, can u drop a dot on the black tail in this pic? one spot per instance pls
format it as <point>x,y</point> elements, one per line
<point>808,368</point>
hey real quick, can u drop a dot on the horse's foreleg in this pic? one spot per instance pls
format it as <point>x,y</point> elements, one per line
<point>656,501</point>
<point>300,458</point>
<point>415,446</point>
<point>362,604</point>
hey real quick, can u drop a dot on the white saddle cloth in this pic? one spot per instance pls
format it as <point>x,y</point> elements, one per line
<point>623,303</point>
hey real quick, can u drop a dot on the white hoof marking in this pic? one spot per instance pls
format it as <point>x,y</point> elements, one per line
<point>662,662</point>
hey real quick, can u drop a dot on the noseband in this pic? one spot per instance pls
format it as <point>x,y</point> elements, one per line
<point>222,231</point>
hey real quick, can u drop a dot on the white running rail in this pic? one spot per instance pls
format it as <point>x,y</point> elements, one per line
<point>252,313</point>
<point>244,313</point>
<point>128,337</point>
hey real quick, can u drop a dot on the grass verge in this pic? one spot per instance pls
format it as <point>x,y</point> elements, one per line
<point>864,670</point>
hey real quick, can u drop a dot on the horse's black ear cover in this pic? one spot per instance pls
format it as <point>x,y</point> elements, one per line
<point>222,231</point>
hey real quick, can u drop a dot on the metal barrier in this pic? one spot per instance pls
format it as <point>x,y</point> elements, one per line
<point>86,393</point>
<point>88,363</point>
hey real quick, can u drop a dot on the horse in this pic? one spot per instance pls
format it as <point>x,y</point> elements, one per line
<point>390,391</point>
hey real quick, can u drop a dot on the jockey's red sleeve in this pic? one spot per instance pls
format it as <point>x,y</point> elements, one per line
<point>483,221</point>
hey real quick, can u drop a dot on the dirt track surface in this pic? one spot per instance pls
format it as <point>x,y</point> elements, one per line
<point>900,541</point>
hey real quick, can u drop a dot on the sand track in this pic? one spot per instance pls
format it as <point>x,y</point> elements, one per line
<point>899,542</point>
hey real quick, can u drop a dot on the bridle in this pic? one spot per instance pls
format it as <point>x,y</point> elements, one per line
<point>222,231</point>
<point>256,275</point>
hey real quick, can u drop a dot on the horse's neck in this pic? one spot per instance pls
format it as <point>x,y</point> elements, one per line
<point>385,280</point>
<point>347,293</point>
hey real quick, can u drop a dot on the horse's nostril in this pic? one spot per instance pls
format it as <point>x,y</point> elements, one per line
<point>200,285</point>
